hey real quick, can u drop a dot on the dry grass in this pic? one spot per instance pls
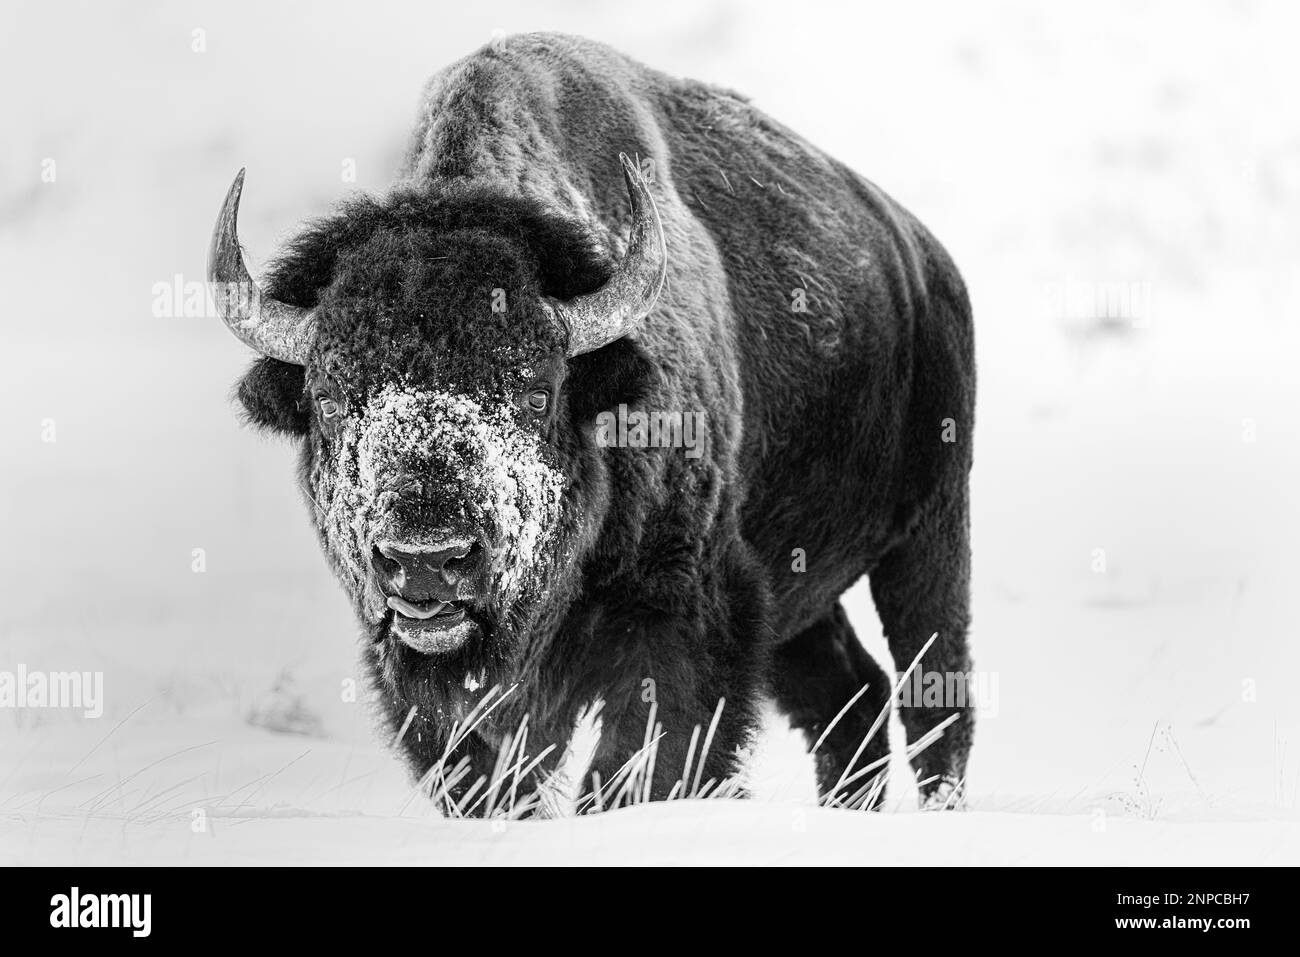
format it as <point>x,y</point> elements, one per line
<point>517,788</point>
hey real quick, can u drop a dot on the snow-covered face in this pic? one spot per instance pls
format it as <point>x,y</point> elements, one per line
<point>436,462</point>
<point>437,508</point>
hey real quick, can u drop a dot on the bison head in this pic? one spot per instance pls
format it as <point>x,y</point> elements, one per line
<point>438,352</point>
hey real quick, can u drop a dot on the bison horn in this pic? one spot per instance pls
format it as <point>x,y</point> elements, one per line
<point>272,328</point>
<point>615,309</point>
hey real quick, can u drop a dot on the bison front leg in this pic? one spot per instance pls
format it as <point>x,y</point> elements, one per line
<point>679,705</point>
<point>663,745</point>
<point>456,783</point>
<point>678,660</point>
<point>922,588</point>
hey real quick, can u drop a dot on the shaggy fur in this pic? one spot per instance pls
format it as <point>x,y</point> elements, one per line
<point>822,333</point>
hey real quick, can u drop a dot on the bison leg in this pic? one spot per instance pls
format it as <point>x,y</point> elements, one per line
<point>624,771</point>
<point>922,587</point>
<point>450,790</point>
<point>688,680</point>
<point>816,674</point>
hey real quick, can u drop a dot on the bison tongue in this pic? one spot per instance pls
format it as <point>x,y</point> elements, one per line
<point>424,610</point>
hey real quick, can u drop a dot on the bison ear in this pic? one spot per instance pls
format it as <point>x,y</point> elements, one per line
<point>271,393</point>
<point>598,381</point>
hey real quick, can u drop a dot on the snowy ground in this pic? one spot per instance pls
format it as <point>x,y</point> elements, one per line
<point>1143,712</point>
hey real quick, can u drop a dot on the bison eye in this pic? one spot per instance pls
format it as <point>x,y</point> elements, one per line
<point>538,399</point>
<point>329,408</point>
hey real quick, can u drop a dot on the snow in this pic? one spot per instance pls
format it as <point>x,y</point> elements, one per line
<point>481,455</point>
<point>1120,185</point>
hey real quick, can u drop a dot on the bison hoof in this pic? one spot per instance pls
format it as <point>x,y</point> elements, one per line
<point>944,794</point>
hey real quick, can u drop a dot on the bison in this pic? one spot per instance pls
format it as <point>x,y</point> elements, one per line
<point>575,235</point>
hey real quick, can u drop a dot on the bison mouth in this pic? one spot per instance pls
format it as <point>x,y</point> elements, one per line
<point>433,626</point>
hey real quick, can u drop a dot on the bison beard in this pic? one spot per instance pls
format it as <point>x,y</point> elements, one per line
<point>443,352</point>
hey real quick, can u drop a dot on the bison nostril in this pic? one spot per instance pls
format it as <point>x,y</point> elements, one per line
<point>458,566</point>
<point>385,566</point>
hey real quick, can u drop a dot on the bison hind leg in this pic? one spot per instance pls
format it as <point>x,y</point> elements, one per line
<point>816,674</point>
